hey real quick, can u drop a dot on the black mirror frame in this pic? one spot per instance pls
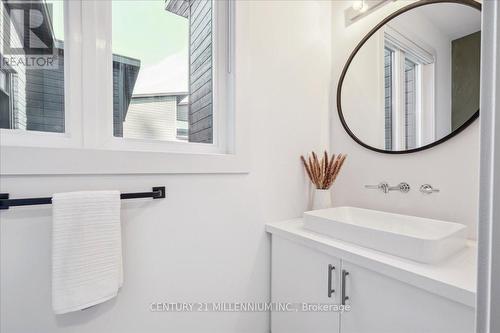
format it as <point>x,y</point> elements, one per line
<point>470,3</point>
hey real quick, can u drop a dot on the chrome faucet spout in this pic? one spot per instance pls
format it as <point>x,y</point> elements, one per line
<point>382,186</point>
<point>386,188</point>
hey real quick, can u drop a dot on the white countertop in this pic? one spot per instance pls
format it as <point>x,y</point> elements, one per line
<point>453,278</point>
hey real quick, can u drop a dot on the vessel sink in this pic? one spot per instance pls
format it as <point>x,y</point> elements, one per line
<point>420,239</point>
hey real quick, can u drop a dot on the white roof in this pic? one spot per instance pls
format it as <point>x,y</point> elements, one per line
<point>168,76</point>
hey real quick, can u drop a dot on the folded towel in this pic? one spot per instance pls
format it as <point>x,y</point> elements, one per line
<point>86,249</point>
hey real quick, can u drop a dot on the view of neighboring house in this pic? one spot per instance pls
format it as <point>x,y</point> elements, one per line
<point>170,115</point>
<point>152,116</point>
<point>157,117</point>
<point>33,99</point>
<point>200,114</point>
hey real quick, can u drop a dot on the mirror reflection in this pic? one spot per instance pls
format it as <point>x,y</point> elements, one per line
<point>416,79</point>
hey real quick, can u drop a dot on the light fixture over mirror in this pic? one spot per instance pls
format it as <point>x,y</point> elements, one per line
<point>413,81</point>
<point>360,6</point>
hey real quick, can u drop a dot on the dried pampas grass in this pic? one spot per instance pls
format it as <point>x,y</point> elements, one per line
<point>323,173</point>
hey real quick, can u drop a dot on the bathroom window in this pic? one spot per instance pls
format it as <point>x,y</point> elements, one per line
<point>32,68</point>
<point>169,73</point>
<point>406,67</point>
<point>151,75</point>
<point>165,83</point>
<point>132,76</point>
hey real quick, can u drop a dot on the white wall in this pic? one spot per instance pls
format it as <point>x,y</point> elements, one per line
<point>205,241</point>
<point>452,167</point>
<point>363,93</point>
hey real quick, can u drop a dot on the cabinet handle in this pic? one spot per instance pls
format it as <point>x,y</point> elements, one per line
<point>344,297</point>
<point>331,268</point>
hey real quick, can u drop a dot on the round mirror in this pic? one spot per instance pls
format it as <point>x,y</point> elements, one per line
<point>413,81</point>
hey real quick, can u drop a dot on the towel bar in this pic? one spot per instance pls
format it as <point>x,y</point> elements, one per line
<point>157,193</point>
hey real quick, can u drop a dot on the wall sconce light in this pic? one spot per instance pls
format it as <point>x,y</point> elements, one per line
<point>361,8</point>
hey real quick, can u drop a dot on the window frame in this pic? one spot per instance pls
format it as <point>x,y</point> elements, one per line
<point>97,152</point>
<point>388,139</point>
<point>405,47</point>
<point>104,115</point>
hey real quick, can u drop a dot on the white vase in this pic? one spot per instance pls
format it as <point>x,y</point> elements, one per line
<point>321,199</point>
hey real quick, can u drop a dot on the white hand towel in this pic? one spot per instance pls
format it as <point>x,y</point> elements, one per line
<point>86,249</point>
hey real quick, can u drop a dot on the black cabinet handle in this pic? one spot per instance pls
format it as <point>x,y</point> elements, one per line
<point>331,268</point>
<point>344,297</point>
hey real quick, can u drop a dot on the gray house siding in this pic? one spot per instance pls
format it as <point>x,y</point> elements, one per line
<point>125,72</point>
<point>200,113</point>
<point>179,7</point>
<point>45,98</point>
<point>200,77</point>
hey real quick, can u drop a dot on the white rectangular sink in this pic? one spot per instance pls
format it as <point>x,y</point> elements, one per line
<point>416,238</point>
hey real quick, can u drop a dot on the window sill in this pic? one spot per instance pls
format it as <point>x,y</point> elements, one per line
<point>71,161</point>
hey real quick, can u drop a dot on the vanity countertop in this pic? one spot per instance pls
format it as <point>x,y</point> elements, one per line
<point>453,278</point>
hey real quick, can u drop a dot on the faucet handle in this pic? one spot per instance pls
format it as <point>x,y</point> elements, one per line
<point>383,186</point>
<point>428,189</point>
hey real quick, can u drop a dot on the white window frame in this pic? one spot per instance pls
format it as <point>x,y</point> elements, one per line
<point>404,47</point>
<point>104,90</point>
<point>98,152</point>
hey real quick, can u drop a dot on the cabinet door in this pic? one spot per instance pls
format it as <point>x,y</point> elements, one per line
<point>380,304</point>
<point>300,276</point>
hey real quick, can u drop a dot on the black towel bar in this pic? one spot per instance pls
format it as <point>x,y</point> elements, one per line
<point>5,202</point>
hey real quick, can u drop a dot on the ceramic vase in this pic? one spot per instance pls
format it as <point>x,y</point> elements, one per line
<point>321,199</point>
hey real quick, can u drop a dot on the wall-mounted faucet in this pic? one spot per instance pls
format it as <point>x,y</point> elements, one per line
<point>386,188</point>
<point>402,187</point>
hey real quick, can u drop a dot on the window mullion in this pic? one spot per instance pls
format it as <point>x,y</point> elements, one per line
<point>73,70</point>
<point>419,108</point>
<point>96,21</point>
<point>399,100</point>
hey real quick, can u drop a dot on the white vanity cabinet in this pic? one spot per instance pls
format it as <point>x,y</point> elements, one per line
<point>302,275</point>
<point>378,302</point>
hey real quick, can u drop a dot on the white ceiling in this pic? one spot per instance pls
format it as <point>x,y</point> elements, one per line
<point>454,20</point>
